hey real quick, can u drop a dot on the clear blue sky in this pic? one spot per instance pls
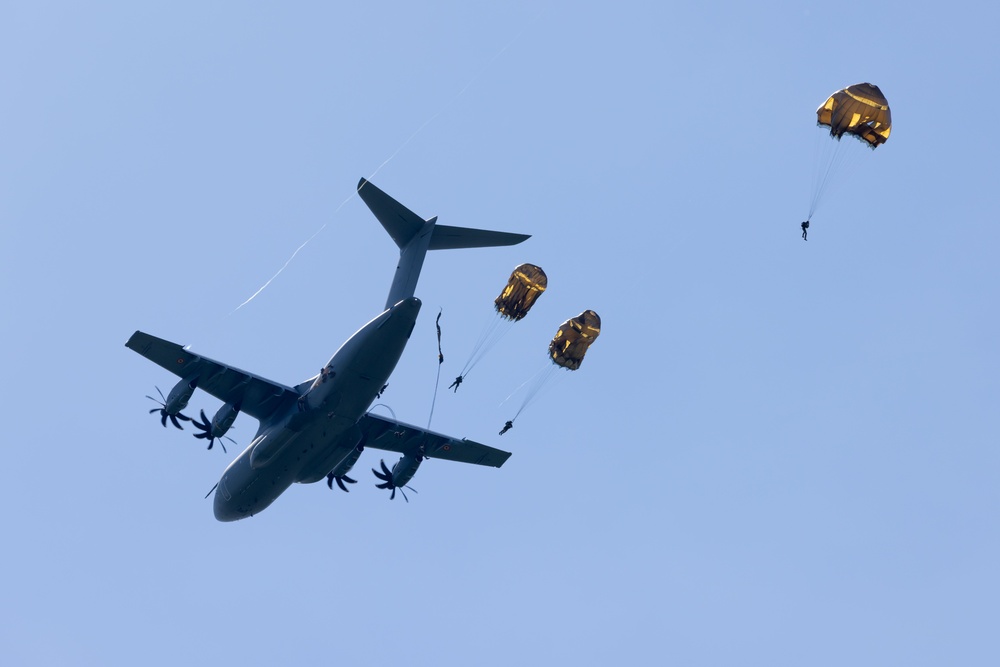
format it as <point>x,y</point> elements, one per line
<point>778,452</point>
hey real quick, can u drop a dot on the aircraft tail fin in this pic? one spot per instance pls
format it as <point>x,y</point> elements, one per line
<point>415,236</point>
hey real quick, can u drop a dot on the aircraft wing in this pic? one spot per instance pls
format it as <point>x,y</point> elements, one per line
<point>393,436</point>
<point>258,397</point>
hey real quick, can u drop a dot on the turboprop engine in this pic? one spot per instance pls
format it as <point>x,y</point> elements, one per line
<point>219,426</point>
<point>175,401</point>
<point>339,474</point>
<point>400,475</point>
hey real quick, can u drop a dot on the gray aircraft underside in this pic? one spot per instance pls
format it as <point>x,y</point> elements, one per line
<point>318,428</point>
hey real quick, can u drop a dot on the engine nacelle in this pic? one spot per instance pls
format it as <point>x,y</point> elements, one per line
<point>405,469</point>
<point>345,466</point>
<point>224,418</point>
<point>179,396</point>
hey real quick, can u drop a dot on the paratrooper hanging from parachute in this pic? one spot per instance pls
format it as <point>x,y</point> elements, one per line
<point>567,349</point>
<point>523,288</point>
<point>860,111</point>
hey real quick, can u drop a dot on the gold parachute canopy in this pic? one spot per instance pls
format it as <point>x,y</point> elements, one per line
<point>574,338</point>
<point>526,284</point>
<point>861,110</point>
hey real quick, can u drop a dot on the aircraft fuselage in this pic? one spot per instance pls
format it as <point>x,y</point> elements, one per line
<point>305,442</point>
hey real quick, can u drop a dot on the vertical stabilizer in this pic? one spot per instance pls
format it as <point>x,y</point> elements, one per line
<point>415,236</point>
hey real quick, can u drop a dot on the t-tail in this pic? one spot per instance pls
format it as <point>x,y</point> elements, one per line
<point>415,236</point>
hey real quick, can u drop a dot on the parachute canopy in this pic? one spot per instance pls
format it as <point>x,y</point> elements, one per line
<point>861,110</point>
<point>526,284</point>
<point>574,338</point>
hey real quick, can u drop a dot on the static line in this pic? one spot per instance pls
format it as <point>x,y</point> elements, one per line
<point>283,267</point>
<point>383,405</point>
<point>451,102</point>
<point>437,380</point>
<point>297,250</point>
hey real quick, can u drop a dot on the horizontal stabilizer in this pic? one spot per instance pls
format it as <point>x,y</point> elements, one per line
<point>402,224</point>
<point>448,238</point>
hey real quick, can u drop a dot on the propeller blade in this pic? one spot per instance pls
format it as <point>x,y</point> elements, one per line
<point>203,425</point>
<point>340,483</point>
<point>173,420</point>
<point>163,418</point>
<point>386,476</point>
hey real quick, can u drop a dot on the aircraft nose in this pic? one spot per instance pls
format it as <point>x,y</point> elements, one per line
<point>220,512</point>
<point>224,505</point>
<point>219,507</point>
<point>227,511</point>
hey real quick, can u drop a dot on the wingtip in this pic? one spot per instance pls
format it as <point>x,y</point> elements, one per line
<point>131,339</point>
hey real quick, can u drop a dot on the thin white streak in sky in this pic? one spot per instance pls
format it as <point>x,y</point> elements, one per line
<point>451,102</point>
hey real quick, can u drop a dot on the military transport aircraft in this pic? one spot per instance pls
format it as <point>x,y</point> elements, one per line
<point>317,429</point>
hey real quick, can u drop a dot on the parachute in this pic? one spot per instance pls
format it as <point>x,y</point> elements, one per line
<point>527,282</point>
<point>860,110</point>
<point>574,338</point>
<point>566,350</point>
<point>525,285</point>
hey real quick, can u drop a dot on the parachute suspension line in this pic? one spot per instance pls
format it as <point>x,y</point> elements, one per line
<point>484,335</point>
<point>492,332</point>
<point>537,388</point>
<point>834,156</point>
<point>828,150</point>
<point>821,169</point>
<point>535,384</point>
<point>518,388</point>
